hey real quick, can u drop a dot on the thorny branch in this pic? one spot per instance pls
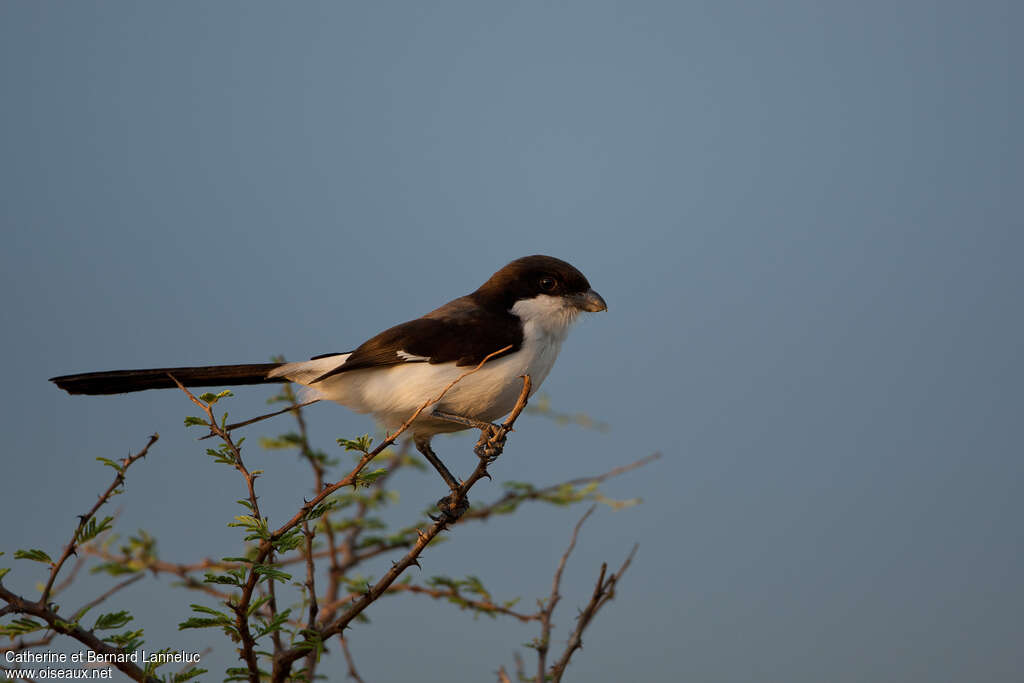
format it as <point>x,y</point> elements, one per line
<point>603,592</point>
<point>72,545</point>
<point>548,608</point>
<point>44,610</point>
<point>283,662</point>
<point>330,612</point>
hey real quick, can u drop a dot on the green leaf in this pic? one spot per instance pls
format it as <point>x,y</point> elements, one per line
<point>291,540</point>
<point>227,580</point>
<point>210,398</point>
<point>257,528</point>
<point>312,642</point>
<point>3,571</point>
<point>271,573</point>
<point>192,421</point>
<point>366,479</point>
<point>222,454</point>
<point>111,463</point>
<point>322,508</point>
<point>256,604</point>
<point>186,675</point>
<point>289,440</point>
<point>209,610</point>
<point>218,619</point>
<point>274,624</point>
<point>114,569</point>
<point>361,444</point>
<point>34,554</point>
<point>129,640</point>
<point>112,620</point>
<point>238,673</point>
<point>92,529</point>
<point>20,626</point>
<point>201,622</point>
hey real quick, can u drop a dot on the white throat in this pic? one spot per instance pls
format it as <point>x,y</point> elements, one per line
<point>545,317</point>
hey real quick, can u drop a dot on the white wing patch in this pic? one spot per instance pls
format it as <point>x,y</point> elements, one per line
<point>412,358</point>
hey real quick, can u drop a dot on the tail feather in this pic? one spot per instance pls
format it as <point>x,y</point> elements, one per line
<point>124,381</point>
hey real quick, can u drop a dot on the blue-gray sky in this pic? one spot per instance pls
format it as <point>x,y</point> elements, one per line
<point>805,218</point>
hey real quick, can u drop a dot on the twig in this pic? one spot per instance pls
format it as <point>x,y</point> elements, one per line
<point>72,545</point>
<point>295,406</point>
<point>519,496</point>
<point>464,602</point>
<point>240,608</point>
<point>311,589</point>
<point>87,638</point>
<point>352,673</point>
<point>89,605</point>
<point>548,608</point>
<point>603,592</point>
<point>70,578</point>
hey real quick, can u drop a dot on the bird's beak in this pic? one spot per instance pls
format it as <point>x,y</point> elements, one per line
<point>590,301</point>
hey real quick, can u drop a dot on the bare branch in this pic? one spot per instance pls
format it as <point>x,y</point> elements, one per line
<point>466,603</point>
<point>541,493</point>
<point>89,605</point>
<point>352,673</point>
<point>603,592</point>
<point>245,423</point>
<point>548,608</point>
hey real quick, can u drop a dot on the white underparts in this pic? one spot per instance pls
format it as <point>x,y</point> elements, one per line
<point>393,393</point>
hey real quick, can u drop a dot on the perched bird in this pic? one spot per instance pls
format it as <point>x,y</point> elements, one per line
<point>527,306</point>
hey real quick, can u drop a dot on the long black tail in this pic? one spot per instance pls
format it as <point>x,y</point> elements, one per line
<point>124,381</point>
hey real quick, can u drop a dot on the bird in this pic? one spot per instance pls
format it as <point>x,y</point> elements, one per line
<point>519,317</point>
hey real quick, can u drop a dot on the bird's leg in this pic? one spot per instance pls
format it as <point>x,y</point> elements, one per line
<point>462,420</point>
<point>452,505</point>
<point>423,446</point>
<point>492,436</point>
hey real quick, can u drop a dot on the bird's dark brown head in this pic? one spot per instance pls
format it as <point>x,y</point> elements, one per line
<point>538,275</point>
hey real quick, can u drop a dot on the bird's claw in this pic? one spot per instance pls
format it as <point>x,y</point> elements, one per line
<point>449,511</point>
<point>491,443</point>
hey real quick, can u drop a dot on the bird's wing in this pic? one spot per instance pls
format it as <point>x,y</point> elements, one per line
<point>455,333</point>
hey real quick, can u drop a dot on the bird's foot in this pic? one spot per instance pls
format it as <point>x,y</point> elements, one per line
<point>452,511</point>
<point>491,443</point>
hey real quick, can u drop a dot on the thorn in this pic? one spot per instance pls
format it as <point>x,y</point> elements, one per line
<point>416,562</point>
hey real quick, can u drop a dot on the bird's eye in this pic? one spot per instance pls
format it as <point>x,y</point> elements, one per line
<point>547,283</point>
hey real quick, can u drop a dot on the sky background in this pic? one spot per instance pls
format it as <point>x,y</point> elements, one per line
<point>806,219</point>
